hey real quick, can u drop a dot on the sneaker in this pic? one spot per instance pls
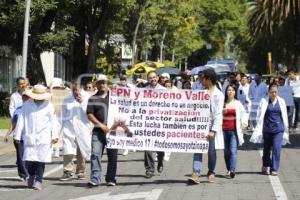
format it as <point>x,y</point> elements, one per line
<point>228,174</point>
<point>211,177</point>
<point>30,182</point>
<point>111,183</point>
<point>80,176</point>
<point>160,167</point>
<point>167,156</point>
<point>232,174</point>
<point>149,174</point>
<point>265,170</point>
<point>37,185</point>
<point>125,153</point>
<point>195,179</point>
<point>67,176</point>
<point>56,153</point>
<point>92,184</point>
<point>274,173</point>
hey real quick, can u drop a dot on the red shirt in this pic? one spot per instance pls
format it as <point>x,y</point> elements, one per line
<point>229,119</point>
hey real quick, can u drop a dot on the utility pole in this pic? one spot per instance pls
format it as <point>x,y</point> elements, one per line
<point>25,38</point>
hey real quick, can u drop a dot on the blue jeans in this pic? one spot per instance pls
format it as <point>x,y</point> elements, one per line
<point>36,169</point>
<point>230,150</point>
<point>98,145</point>
<point>272,140</point>
<point>212,158</point>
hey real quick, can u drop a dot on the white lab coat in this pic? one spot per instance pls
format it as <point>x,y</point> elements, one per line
<point>76,127</point>
<point>38,124</point>
<point>217,102</point>
<point>257,136</point>
<point>241,118</point>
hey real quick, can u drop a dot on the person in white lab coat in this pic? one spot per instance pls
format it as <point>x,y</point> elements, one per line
<point>215,135</point>
<point>37,125</point>
<point>257,91</point>
<point>76,129</point>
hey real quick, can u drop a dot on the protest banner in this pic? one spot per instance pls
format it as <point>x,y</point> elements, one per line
<point>159,120</point>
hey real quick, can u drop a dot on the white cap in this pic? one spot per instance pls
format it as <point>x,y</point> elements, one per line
<point>165,75</point>
<point>56,82</point>
<point>101,77</point>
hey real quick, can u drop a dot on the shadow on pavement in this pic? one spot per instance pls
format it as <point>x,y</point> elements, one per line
<point>14,186</point>
<point>8,166</point>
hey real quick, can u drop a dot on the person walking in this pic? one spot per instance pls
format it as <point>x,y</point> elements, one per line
<point>215,136</point>
<point>97,111</point>
<point>16,97</point>
<point>76,129</point>
<point>234,119</point>
<point>271,129</point>
<point>149,164</point>
<point>37,125</point>
<point>257,90</point>
<point>19,146</point>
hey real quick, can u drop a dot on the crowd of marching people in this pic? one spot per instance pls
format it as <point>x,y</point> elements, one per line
<point>73,120</point>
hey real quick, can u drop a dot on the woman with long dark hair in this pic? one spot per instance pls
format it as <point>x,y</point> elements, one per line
<point>234,118</point>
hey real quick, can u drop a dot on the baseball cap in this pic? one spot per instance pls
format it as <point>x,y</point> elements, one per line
<point>101,77</point>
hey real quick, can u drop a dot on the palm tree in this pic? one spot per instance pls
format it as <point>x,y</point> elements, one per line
<point>268,16</point>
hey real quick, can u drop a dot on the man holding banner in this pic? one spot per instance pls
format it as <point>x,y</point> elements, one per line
<point>215,136</point>
<point>97,111</point>
<point>152,79</point>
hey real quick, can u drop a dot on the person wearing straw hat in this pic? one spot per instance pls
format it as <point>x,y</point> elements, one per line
<point>38,126</point>
<point>22,171</point>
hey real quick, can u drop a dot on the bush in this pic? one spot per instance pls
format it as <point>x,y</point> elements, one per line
<point>4,104</point>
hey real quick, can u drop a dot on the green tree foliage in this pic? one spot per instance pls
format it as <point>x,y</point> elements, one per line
<point>276,24</point>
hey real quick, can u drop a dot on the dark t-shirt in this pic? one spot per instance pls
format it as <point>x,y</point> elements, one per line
<point>99,107</point>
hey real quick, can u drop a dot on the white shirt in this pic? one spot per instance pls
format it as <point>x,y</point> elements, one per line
<point>296,87</point>
<point>15,102</point>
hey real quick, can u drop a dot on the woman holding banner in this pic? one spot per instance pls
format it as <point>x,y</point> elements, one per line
<point>234,118</point>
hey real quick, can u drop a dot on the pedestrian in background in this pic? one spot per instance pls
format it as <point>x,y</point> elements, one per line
<point>16,97</point>
<point>271,129</point>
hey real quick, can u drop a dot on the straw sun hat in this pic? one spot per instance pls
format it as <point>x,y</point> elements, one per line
<point>39,92</point>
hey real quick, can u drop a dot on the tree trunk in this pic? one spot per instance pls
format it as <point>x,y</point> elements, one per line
<point>35,70</point>
<point>173,55</point>
<point>91,62</point>
<point>134,40</point>
<point>162,46</point>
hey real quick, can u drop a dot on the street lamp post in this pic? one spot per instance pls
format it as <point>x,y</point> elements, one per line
<point>25,38</point>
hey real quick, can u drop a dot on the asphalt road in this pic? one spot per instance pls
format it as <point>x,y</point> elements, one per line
<point>249,183</point>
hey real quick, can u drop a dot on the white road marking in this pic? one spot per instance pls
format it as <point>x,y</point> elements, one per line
<point>151,195</point>
<point>59,167</point>
<point>276,185</point>
<point>10,170</point>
